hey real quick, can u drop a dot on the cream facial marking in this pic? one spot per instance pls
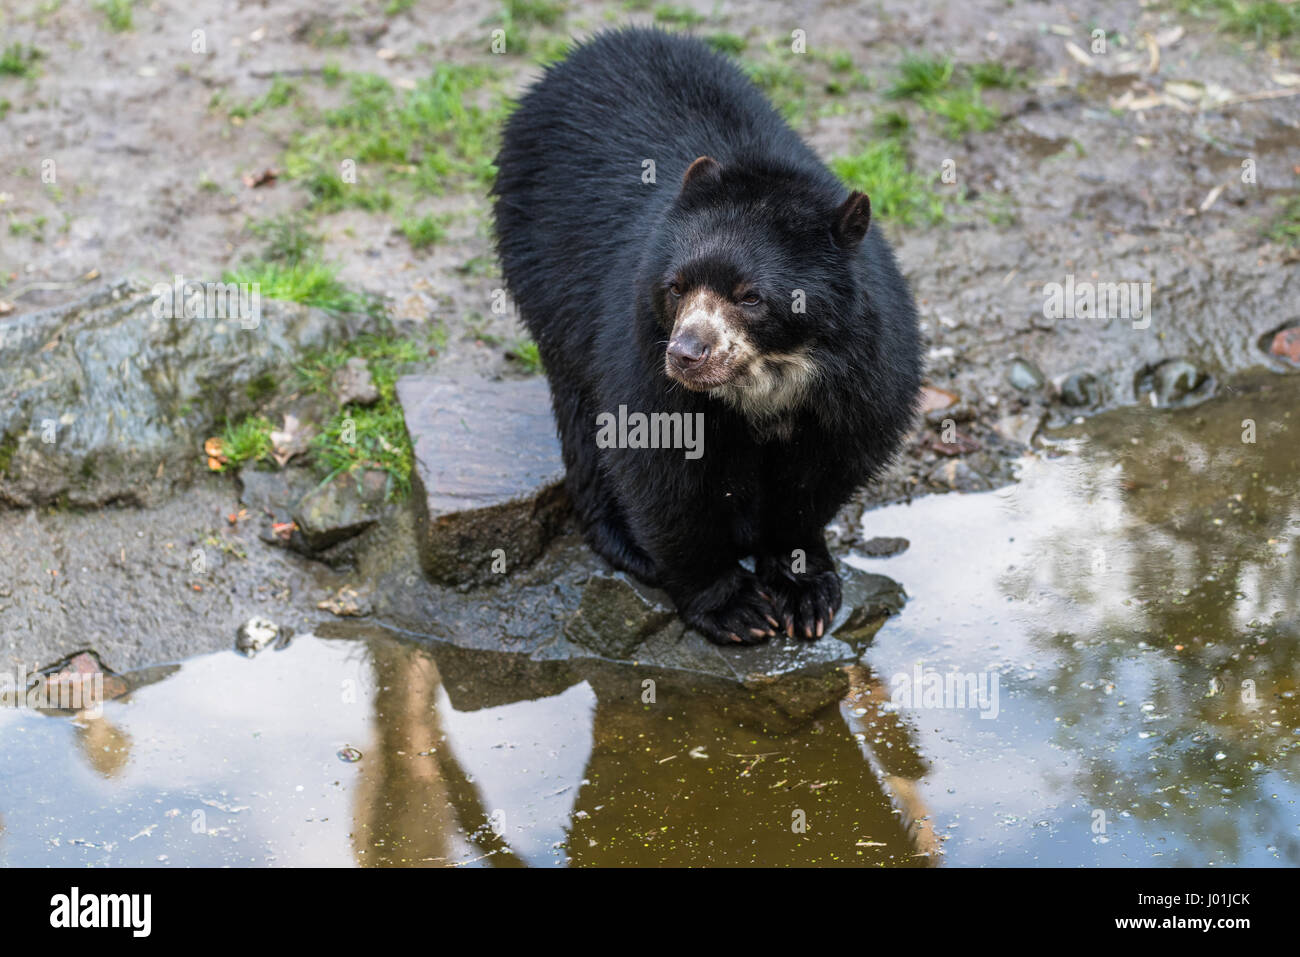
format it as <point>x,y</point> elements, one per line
<point>702,315</point>
<point>770,385</point>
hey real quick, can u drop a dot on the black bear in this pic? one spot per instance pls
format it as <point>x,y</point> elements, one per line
<point>686,263</point>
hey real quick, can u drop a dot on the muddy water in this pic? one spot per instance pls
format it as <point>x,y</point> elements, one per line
<point>1126,615</point>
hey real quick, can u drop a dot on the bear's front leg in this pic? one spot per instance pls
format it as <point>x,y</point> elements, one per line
<point>803,584</point>
<point>698,565</point>
<point>732,608</point>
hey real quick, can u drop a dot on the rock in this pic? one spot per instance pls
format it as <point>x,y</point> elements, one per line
<point>961,412</point>
<point>799,695</point>
<point>958,476</point>
<point>102,401</point>
<point>274,496</point>
<point>347,602</point>
<point>882,547</point>
<point>1081,389</point>
<point>341,508</point>
<point>1176,382</point>
<point>1287,345</point>
<point>353,384</point>
<point>488,478</point>
<point>79,682</point>
<point>869,599</point>
<point>617,614</point>
<point>255,634</point>
<point>1024,376</point>
<point>1020,427</point>
<point>961,444</point>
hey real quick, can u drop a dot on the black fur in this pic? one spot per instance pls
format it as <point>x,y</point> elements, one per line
<point>589,252</point>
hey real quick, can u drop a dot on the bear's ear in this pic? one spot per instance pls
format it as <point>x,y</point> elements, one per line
<point>851,220</point>
<point>705,169</point>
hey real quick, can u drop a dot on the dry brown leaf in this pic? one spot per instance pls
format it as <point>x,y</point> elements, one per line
<point>1077,53</point>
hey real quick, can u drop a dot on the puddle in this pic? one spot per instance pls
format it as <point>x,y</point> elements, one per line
<point>1138,603</point>
<point>1134,598</point>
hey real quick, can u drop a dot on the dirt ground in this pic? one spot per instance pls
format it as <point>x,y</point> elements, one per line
<point>143,150</point>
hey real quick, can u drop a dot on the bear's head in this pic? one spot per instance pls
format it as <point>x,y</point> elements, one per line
<point>753,276</point>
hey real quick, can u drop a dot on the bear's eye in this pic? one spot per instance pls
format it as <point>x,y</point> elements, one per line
<point>675,289</point>
<point>749,299</point>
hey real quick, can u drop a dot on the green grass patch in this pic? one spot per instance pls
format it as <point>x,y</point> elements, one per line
<point>785,86</point>
<point>678,16</point>
<point>1285,228</point>
<point>289,238</point>
<point>424,139</point>
<point>963,111</point>
<point>424,232</point>
<point>954,94</point>
<point>35,227</point>
<point>361,437</point>
<point>354,437</point>
<point>542,13</point>
<point>921,76</point>
<point>118,13</point>
<point>8,446</point>
<point>993,74</point>
<point>1261,20</point>
<point>525,352</point>
<point>281,93</point>
<point>728,43</point>
<point>367,438</point>
<point>893,123</point>
<point>20,61</point>
<point>383,354</point>
<point>312,283</point>
<point>897,193</point>
<point>247,442</point>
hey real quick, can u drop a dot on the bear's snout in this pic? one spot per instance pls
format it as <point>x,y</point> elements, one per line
<point>687,349</point>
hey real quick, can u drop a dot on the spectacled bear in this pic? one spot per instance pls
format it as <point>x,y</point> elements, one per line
<point>675,249</point>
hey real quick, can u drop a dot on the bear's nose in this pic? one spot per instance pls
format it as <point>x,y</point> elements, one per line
<point>687,349</point>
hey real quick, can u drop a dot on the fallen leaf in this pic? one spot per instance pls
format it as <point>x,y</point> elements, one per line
<point>292,440</point>
<point>265,178</point>
<point>1211,197</point>
<point>1077,53</point>
<point>933,399</point>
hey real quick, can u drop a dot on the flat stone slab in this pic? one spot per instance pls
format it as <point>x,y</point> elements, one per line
<point>488,477</point>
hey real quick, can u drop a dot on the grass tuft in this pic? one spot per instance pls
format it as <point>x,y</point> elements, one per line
<point>881,171</point>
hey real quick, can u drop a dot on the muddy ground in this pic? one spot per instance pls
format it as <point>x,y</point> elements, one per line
<point>143,152</point>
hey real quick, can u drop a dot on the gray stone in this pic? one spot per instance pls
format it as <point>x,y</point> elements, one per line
<point>353,384</point>
<point>617,614</point>
<point>1021,427</point>
<point>341,508</point>
<point>488,474</point>
<point>255,634</point>
<point>129,397</point>
<point>1025,376</point>
<point>884,546</point>
<point>1176,382</point>
<point>869,599</point>
<point>1081,389</point>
